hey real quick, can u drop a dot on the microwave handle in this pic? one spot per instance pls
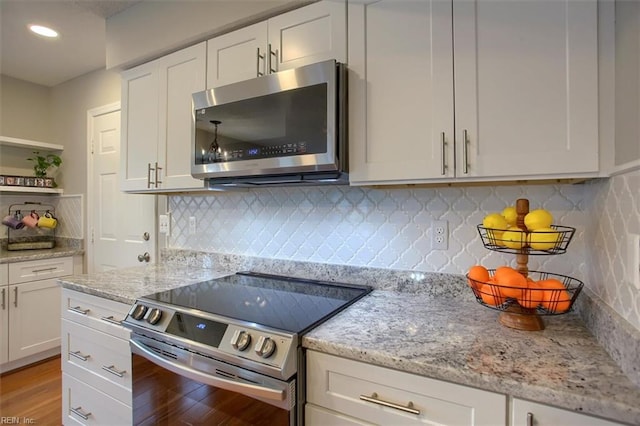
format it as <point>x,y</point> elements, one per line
<point>193,374</point>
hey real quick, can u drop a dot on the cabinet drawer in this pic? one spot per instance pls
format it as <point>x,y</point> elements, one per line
<point>4,274</point>
<point>544,415</point>
<point>85,405</point>
<point>340,385</point>
<point>314,415</point>
<point>98,359</point>
<point>95,312</point>
<point>33,270</point>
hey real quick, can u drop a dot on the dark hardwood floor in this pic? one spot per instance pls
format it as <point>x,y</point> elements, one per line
<point>33,393</point>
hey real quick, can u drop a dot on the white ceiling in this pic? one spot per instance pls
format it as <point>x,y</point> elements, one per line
<point>79,49</point>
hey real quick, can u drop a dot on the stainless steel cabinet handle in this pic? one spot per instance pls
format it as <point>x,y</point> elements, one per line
<point>529,419</point>
<point>4,295</point>
<point>144,257</point>
<point>44,269</point>
<point>149,175</point>
<point>15,295</point>
<point>444,153</point>
<point>157,169</point>
<point>406,408</point>
<point>78,354</point>
<point>259,56</point>
<point>272,53</point>
<point>465,152</point>
<point>112,369</point>
<point>78,310</point>
<point>78,412</point>
<point>112,320</point>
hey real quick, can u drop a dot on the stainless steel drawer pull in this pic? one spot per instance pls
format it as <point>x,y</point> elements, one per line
<point>15,298</point>
<point>112,320</point>
<point>529,419</point>
<point>444,154</point>
<point>112,369</point>
<point>157,169</point>
<point>44,269</point>
<point>79,355</point>
<point>258,72</point>
<point>78,412</point>
<point>149,175</point>
<point>78,310</point>
<point>4,297</point>
<point>374,399</point>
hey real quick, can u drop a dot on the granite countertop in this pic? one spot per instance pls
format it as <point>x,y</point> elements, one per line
<point>442,333</point>
<point>7,256</point>
<point>458,340</point>
<point>128,284</point>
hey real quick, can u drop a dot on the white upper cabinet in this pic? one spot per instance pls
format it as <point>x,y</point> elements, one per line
<point>156,121</point>
<point>400,91</point>
<point>524,89</point>
<point>310,34</point>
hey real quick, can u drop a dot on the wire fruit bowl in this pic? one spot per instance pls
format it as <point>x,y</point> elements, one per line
<point>527,242</point>
<point>554,295</point>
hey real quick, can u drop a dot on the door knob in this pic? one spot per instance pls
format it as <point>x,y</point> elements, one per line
<point>145,236</point>
<point>144,257</point>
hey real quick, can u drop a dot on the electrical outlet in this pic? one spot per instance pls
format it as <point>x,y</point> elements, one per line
<point>633,253</point>
<point>439,235</point>
<point>164,224</point>
<point>192,225</point>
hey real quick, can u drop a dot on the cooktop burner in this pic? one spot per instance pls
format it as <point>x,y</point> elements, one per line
<point>289,304</point>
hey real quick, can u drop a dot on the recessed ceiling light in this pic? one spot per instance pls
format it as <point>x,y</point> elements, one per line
<point>43,31</point>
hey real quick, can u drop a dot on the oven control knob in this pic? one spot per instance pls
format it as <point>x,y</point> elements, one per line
<point>265,347</point>
<point>154,316</point>
<point>240,340</point>
<point>138,312</point>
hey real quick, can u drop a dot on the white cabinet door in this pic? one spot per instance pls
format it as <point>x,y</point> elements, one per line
<point>400,91</point>
<point>181,74</point>
<point>236,56</point>
<point>526,87</point>
<point>139,141</point>
<point>525,413</point>
<point>156,121</point>
<point>311,34</point>
<point>34,317</point>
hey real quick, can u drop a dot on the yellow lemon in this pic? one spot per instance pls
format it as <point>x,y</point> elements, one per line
<point>544,239</point>
<point>495,221</point>
<point>514,238</point>
<point>510,215</point>
<point>537,219</point>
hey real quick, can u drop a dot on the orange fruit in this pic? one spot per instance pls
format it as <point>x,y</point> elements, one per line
<point>491,294</point>
<point>477,276</point>
<point>555,297</point>
<point>532,296</point>
<point>512,284</point>
<point>501,271</point>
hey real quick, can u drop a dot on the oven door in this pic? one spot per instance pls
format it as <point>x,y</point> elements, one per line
<point>175,386</point>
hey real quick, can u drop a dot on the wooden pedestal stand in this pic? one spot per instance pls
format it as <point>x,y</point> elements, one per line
<point>516,316</point>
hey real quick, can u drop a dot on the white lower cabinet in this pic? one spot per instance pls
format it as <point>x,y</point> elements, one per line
<point>342,391</point>
<point>29,325</point>
<point>527,413</point>
<point>96,361</point>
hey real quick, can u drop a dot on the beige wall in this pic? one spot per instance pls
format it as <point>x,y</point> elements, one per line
<point>25,110</point>
<point>70,102</point>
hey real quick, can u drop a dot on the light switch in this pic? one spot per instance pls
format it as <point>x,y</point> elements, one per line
<point>164,226</point>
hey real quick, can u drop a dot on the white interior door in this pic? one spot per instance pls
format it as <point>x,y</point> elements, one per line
<point>121,226</point>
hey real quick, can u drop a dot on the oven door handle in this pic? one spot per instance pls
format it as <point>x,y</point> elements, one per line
<point>191,373</point>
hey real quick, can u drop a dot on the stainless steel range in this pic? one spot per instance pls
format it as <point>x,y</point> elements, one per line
<point>240,333</point>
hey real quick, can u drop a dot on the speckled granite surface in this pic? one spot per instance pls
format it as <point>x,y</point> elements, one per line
<point>61,250</point>
<point>426,324</point>
<point>126,285</point>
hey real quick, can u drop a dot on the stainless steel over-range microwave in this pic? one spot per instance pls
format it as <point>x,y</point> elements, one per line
<point>286,127</point>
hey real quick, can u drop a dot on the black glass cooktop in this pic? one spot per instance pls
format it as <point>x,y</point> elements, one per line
<point>288,304</point>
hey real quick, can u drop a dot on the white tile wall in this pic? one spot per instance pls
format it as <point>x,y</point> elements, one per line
<point>390,228</point>
<point>68,211</point>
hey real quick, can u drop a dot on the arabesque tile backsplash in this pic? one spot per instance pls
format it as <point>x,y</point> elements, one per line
<point>391,228</point>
